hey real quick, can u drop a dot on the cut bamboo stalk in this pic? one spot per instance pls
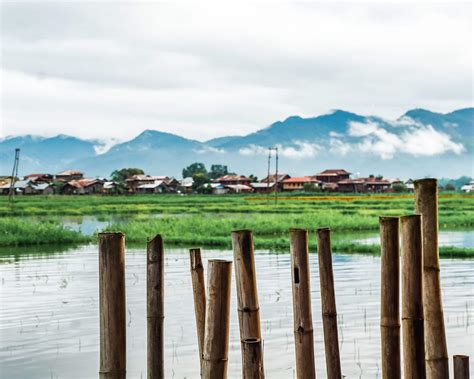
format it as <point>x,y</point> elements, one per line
<point>426,199</point>
<point>199,295</point>
<point>246,284</point>
<point>461,367</point>
<point>302,314</point>
<point>216,334</point>
<point>328,303</point>
<point>112,306</point>
<point>390,297</point>
<point>252,362</point>
<point>412,302</point>
<point>155,308</point>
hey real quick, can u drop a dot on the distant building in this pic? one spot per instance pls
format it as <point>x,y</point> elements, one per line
<point>239,188</point>
<point>109,187</point>
<point>468,187</point>
<point>332,175</point>
<point>227,180</point>
<point>279,179</point>
<point>40,189</point>
<point>217,188</point>
<point>263,187</point>
<point>410,185</point>
<point>298,183</point>
<point>186,185</point>
<point>68,175</point>
<point>83,187</point>
<point>138,181</point>
<point>370,184</point>
<point>40,178</point>
<point>157,186</point>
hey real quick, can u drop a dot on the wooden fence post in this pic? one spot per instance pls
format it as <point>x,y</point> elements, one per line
<point>461,367</point>
<point>328,303</point>
<point>155,308</point>
<point>412,302</point>
<point>426,199</point>
<point>302,314</point>
<point>252,359</point>
<point>247,296</point>
<point>216,334</point>
<point>112,306</point>
<point>199,295</point>
<point>390,297</point>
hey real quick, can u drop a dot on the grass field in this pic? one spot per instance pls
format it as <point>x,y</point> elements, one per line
<point>208,220</point>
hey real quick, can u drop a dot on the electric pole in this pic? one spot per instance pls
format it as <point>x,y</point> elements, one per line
<point>11,193</point>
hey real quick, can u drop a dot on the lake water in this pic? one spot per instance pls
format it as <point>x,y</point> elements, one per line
<point>49,324</point>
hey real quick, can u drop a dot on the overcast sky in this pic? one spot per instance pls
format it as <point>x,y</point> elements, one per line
<point>108,70</point>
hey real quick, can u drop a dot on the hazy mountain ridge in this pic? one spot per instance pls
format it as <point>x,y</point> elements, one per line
<point>418,143</point>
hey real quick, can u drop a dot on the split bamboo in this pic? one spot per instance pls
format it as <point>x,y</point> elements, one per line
<point>216,334</point>
<point>302,314</point>
<point>112,306</point>
<point>199,295</point>
<point>252,362</point>
<point>390,297</point>
<point>328,303</point>
<point>426,199</point>
<point>461,367</point>
<point>155,308</point>
<point>412,302</point>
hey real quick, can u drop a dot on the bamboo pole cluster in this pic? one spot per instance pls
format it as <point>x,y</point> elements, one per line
<point>417,278</point>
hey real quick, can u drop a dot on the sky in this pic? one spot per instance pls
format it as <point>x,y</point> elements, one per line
<point>102,70</point>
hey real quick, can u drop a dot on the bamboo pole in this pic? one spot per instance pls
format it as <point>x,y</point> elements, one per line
<point>328,303</point>
<point>390,297</point>
<point>246,286</point>
<point>461,367</point>
<point>199,295</point>
<point>302,314</point>
<point>426,199</point>
<point>112,306</point>
<point>155,308</point>
<point>412,302</point>
<point>252,361</point>
<point>216,334</point>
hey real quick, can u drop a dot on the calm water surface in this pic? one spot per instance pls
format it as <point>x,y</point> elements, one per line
<point>49,324</point>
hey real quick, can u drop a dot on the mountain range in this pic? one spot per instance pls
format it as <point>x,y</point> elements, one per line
<point>417,144</point>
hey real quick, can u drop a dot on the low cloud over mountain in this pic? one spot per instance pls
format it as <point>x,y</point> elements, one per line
<point>419,143</point>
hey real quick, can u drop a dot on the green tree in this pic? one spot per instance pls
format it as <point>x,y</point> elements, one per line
<point>449,187</point>
<point>253,178</point>
<point>311,187</point>
<point>119,176</point>
<point>200,182</point>
<point>193,169</point>
<point>218,170</point>
<point>399,187</point>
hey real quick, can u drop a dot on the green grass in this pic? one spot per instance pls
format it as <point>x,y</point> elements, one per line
<point>17,232</point>
<point>208,220</point>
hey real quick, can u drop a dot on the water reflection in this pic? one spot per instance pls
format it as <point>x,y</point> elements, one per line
<point>49,317</point>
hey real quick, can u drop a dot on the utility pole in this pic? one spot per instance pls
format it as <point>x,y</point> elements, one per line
<point>11,193</point>
<point>275,149</point>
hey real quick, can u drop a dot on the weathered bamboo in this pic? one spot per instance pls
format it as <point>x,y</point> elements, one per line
<point>216,334</point>
<point>199,295</point>
<point>302,314</point>
<point>112,306</point>
<point>412,301</point>
<point>426,199</point>
<point>252,359</point>
<point>246,286</point>
<point>155,308</point>
<point>328,304</point>
<point>461,367</point>
<point>390,297</point>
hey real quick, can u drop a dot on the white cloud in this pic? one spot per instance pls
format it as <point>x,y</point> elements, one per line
<point>338,147</point>
<point>419,140</point>
<point>210,149</point>
<point>302,149</point>
<point>205,70</point>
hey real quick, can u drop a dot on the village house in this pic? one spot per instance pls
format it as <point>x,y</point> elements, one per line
<point>68,175</point>
<point>228,180</point>
<point>298,183</point>
<point>109,187</point>
<point>166,184</point>
<point>83,187</point>
<point>186,185</point>
<point>40,178</point>
<point>217,188</point>
<point>239,188</point>
<point>272,178</point>
<point>350,185</point>
<point>332,175</point>
<point>370,184</point>
<point>263,187</point>
<point>157,186</point>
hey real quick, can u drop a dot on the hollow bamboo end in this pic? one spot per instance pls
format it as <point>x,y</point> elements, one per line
<point>107,235</point>
<point>251,340</point>
<point>323,230</point>
<point>219,261</point>
<point>241,231</point>
<point>156,239</point>
<point>425,183</point>
<point>410,218</point>
<point>389,219</point>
